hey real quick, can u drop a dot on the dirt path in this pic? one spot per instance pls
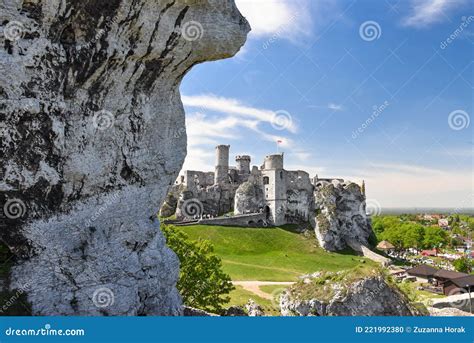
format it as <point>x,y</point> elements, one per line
<point>254,287</point>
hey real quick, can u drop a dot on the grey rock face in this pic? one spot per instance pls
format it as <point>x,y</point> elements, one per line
<point>93,135</point>
<point>341,218</point>
<point>371,296</point>
<point>249,198</point>
<point>194,312</point>
<point>254,309</point>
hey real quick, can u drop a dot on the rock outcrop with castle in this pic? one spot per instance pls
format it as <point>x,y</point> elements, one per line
<point>270,195</point>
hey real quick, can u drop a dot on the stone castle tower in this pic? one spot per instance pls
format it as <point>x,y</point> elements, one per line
<point>274,183</point>
<point>243,164</point>
<point>221,175</point>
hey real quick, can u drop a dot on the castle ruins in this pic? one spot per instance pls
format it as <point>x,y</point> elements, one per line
<point>268,195</point>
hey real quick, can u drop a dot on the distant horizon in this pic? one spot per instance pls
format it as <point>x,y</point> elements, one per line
<point>427,210</point>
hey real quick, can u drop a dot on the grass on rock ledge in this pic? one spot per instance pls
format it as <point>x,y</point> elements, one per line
<point>271,254</point>
<point>239,297</point>
<point>322,287</point>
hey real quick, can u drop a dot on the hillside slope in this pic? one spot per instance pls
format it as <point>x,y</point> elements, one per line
<point>270,254</point>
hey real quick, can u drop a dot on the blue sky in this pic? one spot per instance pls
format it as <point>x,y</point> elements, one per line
<point>365,90</point>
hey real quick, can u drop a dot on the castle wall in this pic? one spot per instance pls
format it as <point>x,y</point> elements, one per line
<point>298,180</point>
<point>194,179</point>
<point>255,219</point>
<point>299,195</point>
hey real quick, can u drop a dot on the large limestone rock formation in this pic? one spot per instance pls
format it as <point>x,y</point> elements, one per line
<point>249,198</point>
<point>341,220</point>
<point>345,294</point>
<point>93,134</point>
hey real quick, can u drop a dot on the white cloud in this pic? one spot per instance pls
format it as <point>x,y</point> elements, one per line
<point>331,106</point>
<point>335,107</point>
<point>205,132</point>
<point>427,12</point>
<point>199,158</point>
<point>234,107</point>
<point>288,19</point>
<point>212,120</point>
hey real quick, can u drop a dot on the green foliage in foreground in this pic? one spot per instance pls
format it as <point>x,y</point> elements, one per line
<point>270,254</point>
<point>202,283</point>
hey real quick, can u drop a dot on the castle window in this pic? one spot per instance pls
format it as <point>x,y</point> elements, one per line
<point>281,175</point>
<point>266,180</point>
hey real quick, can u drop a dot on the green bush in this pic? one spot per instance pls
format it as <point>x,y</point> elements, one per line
<point>202,283</point>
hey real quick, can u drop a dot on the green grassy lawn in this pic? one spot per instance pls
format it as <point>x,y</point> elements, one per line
<point>270,254</point>
<point>273,288</point>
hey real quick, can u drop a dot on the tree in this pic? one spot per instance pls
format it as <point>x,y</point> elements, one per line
<point>434,237</point>
<point>394,235</point>
<point>202,283</point>
<point>463,265</point>
<point>382,223</point>
<point>413,235</point>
